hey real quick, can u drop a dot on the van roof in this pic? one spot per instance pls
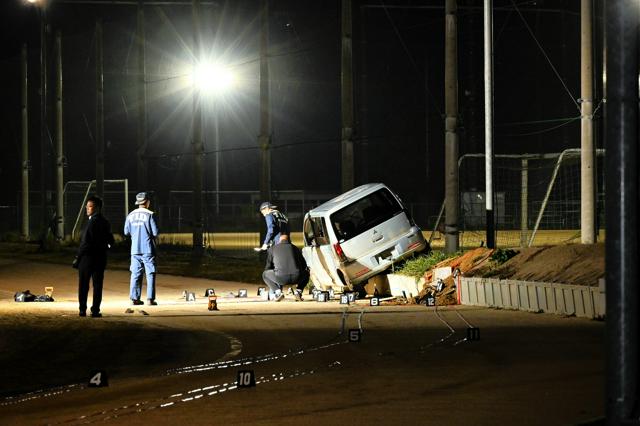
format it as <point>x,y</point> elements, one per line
<point>347,198</point>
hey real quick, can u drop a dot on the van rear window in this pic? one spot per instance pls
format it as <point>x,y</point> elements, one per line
<point>364,214</point>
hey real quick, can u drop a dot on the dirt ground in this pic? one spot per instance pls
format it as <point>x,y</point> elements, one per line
<point>576,264</point>
<point>176,363</point>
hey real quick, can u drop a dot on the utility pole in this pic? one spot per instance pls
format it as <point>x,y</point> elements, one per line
<point>363,140</point>
<point>524,202</point>
<point>99,111</point>
<point>60,160</point>
<point>622,331</point>
<point>488,122</point>
<point>427,158</point>
<point>142,103</point>
<point>587,153</point>
<point>347,97</point>
<point>198,146</point>
<point>451,126</point>
<point>25,144</point>
<point>264,139</point>
<point>43,115</point>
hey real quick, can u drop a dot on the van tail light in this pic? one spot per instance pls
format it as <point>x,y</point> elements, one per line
<point>414,245</point>
<point>339,252</point>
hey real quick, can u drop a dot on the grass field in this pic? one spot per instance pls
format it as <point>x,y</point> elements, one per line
<point>230,256</point>
<point>468,239</point>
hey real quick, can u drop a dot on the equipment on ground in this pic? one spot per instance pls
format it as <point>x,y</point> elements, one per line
<point>213,303</point>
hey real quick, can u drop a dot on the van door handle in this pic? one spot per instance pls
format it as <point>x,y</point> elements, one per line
<point>376,239</point>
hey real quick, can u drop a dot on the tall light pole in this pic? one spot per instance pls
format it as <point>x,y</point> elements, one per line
<point>264,138</point>
<point>42,7</point>
<point>588,230</point>
<point>621,204</point>
<point>60,160</point>
<point>198,147</point>
<point>25,145</point>
<point>451,128</point>
<point>141,164</point>
<point>346,84</point>
<point>488,122</point>
<point>210,81</point>
<point>99,110</point>
<point>216,136</point>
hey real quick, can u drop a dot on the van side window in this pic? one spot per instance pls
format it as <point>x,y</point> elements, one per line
<point>307,230</point>
<point>314,230</point>
<point>320,230</point>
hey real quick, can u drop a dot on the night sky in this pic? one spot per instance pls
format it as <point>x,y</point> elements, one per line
<point>398,81</point>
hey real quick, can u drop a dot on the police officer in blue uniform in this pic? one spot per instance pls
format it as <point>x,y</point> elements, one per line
<point>141,225</point>
<point>277,225</point>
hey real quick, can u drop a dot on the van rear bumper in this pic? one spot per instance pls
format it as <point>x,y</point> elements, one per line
<point>362,269</point>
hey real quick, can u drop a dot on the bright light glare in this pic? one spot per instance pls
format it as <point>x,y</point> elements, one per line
<point>212,78</point>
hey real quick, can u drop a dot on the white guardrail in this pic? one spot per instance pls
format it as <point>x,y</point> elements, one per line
<point>562,299</point>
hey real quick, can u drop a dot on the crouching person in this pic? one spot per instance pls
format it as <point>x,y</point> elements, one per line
<point>285,265</point>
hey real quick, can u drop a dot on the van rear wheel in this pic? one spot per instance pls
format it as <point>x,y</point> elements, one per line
<point>361,293</point>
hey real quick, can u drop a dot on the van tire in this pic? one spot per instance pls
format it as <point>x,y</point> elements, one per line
<point>361,293</point>
<point>344,282</point>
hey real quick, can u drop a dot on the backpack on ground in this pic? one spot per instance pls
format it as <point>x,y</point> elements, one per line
<point>24,296</point>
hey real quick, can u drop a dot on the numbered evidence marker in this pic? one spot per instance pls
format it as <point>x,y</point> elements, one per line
<point>209,292</point>
<point>354,335</point>
<point>331,293</point>
<point>473,333</point>
<point>191,296</point>
<point>242,292</point>
<point>344,299</point>
<point>98,379</point>
<point>352,297</point>
<point>323,296</point>
<point>374,301</point>
<point>262,291</point>
<point>431,301</point>
<point>246,379</point>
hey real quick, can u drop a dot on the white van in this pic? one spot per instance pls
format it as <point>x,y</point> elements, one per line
<point>357,235</point>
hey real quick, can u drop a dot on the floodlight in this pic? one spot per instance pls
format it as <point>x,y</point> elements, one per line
<point>212,78</point>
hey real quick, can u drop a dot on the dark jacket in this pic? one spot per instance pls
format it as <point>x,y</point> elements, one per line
<point>285,258</point>
<point>277,225</point>
<point>96,239</point>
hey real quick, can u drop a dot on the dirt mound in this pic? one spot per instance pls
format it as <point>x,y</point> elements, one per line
<point>575,264</point>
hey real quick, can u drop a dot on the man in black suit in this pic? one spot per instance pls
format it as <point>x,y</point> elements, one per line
<point>91,260</point>
<point>285,265</point>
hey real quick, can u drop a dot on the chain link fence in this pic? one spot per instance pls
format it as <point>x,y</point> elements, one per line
<point>537,201</point>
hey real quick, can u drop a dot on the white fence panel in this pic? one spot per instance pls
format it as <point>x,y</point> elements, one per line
<point>562,299</point>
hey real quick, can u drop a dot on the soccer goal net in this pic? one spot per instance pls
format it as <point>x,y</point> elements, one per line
<point>115,199</point>
<point>537,197</point>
